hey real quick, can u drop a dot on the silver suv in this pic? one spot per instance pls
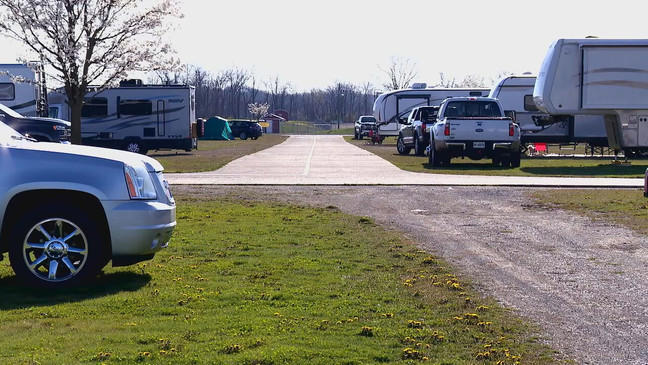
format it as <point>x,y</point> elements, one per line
<point>66,210</point>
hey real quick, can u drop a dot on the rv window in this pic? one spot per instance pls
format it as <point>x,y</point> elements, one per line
<point>94,108</point>
<point>7,91</point>
<point>529,104</point>
<point>136,107</point>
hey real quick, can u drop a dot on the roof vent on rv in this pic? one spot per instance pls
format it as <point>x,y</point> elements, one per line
<point>131,82</point>
<point>419,85</point>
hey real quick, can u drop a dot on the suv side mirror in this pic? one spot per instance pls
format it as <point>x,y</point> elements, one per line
<point>511,114</point>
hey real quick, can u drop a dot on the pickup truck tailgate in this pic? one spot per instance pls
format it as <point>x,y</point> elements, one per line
<point>479,129</point>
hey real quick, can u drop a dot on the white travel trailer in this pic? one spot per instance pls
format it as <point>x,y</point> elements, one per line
<point>602,77</point>
<point>391,107</point>
<point>22,88</point>
<point>136,117</point>
<point>516,93</point>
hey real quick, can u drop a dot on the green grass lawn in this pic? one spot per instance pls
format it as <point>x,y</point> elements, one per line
<point>212,155</point>
<point>247,282</point>
<point>628,208</point>
<point>575,167</point>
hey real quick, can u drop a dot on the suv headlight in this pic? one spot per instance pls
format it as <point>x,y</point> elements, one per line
<point>139,183</point>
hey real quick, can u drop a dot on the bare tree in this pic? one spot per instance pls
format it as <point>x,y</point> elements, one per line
<point>445,81</point>
<point>90,41</point>
<point>400,74</point>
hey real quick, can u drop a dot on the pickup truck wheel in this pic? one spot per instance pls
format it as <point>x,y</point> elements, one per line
<point>56,246</point>
<point>515,159</point>
<point>355,134</point>
<point>419,149</point>
<point>496,161</point>
<point>401,148</point>
<point>434,157</point>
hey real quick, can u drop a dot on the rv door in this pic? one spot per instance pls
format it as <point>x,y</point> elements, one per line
<point>161,118</point>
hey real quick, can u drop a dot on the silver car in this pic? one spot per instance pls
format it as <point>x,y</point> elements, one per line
<point>67,210</point>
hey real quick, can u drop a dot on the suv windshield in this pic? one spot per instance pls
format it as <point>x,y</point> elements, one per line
<point>7,110</point>
<point>367,120</point>
<point>472,109</point>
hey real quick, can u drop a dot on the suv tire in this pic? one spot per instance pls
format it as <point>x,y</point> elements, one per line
<point>243,136</point>
<point>57,246</point>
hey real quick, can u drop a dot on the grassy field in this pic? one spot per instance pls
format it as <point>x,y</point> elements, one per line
<point>576,167</point>
<point>624,207</point>
<point>212,155</point>
<point>246,282</point>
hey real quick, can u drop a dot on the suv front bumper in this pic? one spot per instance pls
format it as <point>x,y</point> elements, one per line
<point>138,229</point>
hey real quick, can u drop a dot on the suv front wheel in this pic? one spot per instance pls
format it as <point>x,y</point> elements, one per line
<point>55,246</point>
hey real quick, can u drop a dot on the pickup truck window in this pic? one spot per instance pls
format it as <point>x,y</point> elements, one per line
<point>472,109</point>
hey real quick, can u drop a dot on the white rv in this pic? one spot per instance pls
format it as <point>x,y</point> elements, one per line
<point>22,88</point>
<point>516,93</point>
<point>602,77</point>
<point>136,118</point>
<point>394,106</point>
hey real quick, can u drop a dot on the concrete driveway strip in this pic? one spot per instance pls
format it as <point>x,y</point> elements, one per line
<point>329,160</point>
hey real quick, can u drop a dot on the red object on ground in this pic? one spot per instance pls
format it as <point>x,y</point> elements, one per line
<point>541,147</point>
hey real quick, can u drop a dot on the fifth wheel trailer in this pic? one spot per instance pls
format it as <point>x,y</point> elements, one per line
<point>606,77</point>
<point>516,93</point>
<point>391,107</point>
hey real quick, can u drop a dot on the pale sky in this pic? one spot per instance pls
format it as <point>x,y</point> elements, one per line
<point>313,43</point>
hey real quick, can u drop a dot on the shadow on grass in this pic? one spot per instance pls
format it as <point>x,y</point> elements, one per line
<point>608,169</point>
<point>15,295</point>
<point>169,154</point>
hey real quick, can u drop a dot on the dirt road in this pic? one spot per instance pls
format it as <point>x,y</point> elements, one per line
<point>583,282</point>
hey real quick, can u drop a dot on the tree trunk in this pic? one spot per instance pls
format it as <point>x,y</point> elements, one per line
<point>75,119</point>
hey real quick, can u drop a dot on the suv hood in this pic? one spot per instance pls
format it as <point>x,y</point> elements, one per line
<point>51,120</point>
<point>130,158</point>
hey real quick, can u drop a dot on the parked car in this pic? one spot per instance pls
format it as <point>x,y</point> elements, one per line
<point>363,125</point>
<point>40,129</point>
<point>245,129</point>
<point>67,210</point>
<point>414,132</point>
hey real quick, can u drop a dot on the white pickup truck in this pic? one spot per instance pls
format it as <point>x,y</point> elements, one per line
<point>474,127</point>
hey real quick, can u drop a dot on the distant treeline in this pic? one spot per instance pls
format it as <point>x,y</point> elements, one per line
<point>229,92</point>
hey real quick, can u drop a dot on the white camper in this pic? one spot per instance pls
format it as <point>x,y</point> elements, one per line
<point>136,118</point>
<point>516,93</point>
<point>391,107</point>
<point>22,88</point>
<point>603,77</point>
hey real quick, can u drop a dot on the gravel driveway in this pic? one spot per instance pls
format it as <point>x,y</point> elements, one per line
<point>583,282</point>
